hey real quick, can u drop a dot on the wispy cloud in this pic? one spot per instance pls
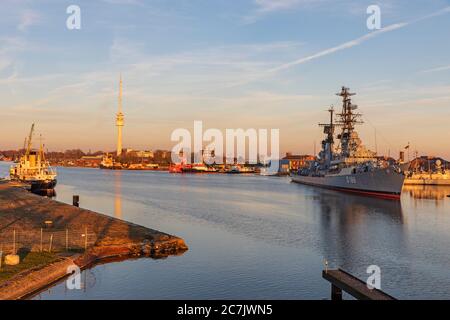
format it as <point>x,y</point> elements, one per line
<point>264,7</point>
<point>206,68</point>
<point>329,51</point>
<point>343,46</point>
<point>346,45</point>
<point>9,47</point>
<point>132,2</point>
<point>357,41</point>
<point>275,5</point>
<point>443,68</point>
<point>4,63</point>
<point>28,18</point>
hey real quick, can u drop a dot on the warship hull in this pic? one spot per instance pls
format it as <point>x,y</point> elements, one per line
<point>382,183</point>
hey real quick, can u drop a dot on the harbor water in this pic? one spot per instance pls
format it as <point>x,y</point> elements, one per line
<point>254,237</point>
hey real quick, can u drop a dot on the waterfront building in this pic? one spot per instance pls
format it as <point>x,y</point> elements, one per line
<point>144,154</point>
<point>292,163</point>
<point>91,161</point>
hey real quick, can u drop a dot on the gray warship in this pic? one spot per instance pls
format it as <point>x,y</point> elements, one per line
<point>349,166</point>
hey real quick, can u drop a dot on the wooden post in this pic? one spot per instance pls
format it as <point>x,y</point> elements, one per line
<point>41,238</point>
<point>76,200</point>
<point>14,242</point>
<point>85,239</point>
<point>67,239</point>
<point>336,293</point>
<point>51,241</point>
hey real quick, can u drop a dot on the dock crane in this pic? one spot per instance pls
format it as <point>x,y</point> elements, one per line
<point>30,138</point>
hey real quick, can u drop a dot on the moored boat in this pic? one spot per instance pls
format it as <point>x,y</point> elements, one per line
<point>198,168</point>
<point>238,169</point>
<point>109,163</point>
<point>191,168</point>
<point>33,169</point>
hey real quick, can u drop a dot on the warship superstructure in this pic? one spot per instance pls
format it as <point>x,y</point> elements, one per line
<point>348,165</point>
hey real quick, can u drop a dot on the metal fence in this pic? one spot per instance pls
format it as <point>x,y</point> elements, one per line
<point>49,240</point>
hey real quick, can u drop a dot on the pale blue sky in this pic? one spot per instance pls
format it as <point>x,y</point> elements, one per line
<point>240,63</point>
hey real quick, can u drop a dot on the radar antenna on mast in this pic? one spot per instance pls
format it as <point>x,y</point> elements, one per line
<point>328,142</point>
<point>328,128</point>
<point>348,119</point>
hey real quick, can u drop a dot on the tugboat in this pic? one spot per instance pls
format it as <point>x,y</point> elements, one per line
<point>197,168</point>
<point>350,166</point>
<point>109,163</point>
<point>185,167</point>
<point>191,168</point>
<point>33,169</point>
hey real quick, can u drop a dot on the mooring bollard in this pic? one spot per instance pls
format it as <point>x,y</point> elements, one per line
<point>76,200</point>
<point>41,239</point>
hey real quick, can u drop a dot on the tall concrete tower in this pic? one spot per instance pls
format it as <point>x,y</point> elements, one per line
<point>119,121</point>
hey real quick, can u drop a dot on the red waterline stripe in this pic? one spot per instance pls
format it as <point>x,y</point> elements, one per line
<point>390,196</point>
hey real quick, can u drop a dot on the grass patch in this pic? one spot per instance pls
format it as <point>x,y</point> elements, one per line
<point>28,260</point>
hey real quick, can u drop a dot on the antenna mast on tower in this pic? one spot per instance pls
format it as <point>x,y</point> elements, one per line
<point>119,120</point>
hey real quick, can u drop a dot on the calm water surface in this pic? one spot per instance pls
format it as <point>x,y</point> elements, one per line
<point>253,237</point>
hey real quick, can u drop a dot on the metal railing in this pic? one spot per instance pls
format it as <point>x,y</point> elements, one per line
<point>47,240</point>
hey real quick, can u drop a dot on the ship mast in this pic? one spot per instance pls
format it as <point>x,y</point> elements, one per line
<point>329,127</point>
<point>41,148</point>
<point>347,120</point>
<point>328,143</point>
<point>24,149</point>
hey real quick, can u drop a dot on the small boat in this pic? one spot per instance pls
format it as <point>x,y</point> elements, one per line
<point>33,169</point>
<point>191,168</point>
<point>176,168</point>
<point>198,168</point>
<point>267,172</point>
<point>109,163</point>
<point>237,169</point>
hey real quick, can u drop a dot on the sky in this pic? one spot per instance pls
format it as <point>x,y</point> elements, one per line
<point>273,64</point>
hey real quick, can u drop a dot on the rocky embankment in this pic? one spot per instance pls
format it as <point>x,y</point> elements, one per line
<point>26,215</point>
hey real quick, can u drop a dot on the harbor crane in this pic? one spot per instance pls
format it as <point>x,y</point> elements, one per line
<point>30,138</point>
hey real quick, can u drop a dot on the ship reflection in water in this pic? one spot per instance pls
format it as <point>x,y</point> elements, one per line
<point>354,229</point>
<point>261,237</point>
